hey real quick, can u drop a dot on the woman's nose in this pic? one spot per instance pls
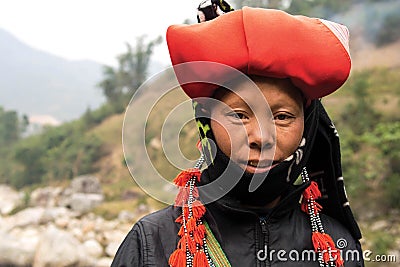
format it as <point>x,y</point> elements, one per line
<point>261,135</point>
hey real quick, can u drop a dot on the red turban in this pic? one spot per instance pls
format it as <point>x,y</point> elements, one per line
<point>311,52</point>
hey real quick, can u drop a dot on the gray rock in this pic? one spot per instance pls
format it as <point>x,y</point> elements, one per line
<point>112,248</point>
<point>114,236</point>
<point>155,143</point>
<point>10,199</point>
<point>380,225</point>
<point>126,216</point>
<point>86,184</point>
<point>93,248</point>
<point>130,194</point>
<point>45,197</point>
<point>26,217</point>
<point>104,262</point>
<point>52,214</point>
<point>18,249</point>
<point>60,248</point>
<point>142,208</point>
<point>83,203</point>
<point>83,194</point>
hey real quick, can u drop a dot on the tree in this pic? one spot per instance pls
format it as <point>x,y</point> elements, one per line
<point>389,31</point>
<point>11,127</point>
<point>122,82</point>
<point>360,115</point>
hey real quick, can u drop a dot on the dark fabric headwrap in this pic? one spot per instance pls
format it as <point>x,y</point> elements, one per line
<point>208,9</point>
<point>319,151</point>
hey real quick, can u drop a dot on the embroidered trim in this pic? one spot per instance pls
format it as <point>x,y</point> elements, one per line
<point>214,249</point>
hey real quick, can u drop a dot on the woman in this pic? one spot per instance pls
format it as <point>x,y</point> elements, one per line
<point>277,169</point>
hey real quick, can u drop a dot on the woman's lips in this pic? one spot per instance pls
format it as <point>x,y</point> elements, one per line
<point>253,166</point>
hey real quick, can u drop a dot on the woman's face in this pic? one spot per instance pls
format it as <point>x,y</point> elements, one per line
<point>253,136</point>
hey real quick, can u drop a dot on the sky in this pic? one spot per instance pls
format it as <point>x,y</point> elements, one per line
<point>93,29</point>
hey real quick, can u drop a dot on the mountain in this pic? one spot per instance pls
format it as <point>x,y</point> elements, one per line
<point>34,82</point>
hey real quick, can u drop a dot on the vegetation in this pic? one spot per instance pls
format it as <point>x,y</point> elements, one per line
<point>389,31</point>
<point>11,130</point>
<point>11,127</point>
<point>119,84</point>
<point>370,135</point>
<point>58,153</point>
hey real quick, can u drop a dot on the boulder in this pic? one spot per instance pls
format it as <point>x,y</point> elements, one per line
<point>83,194</point>
<point>60,248</point>
<point>130,194</point>
<point>82,203</point>
<point>114,236</point>
<point>104,262</point>
<point>126,216</point>
<point>155,143</point>
<point>26,217</point>
<point>112,248</point>
<point>45,197</point>
<point>380,225</point>
<point>55,213</point>
<point>93,248</point>
<point>18,249</point>
<point>10,199</point>
<point>86,184</point>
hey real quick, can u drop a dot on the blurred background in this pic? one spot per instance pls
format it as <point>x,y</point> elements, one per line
<point>68,70</point>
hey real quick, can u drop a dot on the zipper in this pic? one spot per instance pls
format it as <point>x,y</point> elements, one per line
<point>263,252</point>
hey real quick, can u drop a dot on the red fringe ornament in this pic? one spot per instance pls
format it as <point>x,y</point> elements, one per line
<point>318,241</point>
<point>199,233</point>
<point>191,245</point>
<point>184,176</point>
<point>182,196</point>
<point>304,206</point>
<point>178,258</point>
<point>338,258</point>
<point>192,231</point>
<point>200,259</point>
<point>185,212</point>
<point>191,225</point>
<point>312,191</point>
<point>198,209</point>
<point>179,219</point>
<point>310,194</point>
<point>322,242</point>
<point>181,231</point>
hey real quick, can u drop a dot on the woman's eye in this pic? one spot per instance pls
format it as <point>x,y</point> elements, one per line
<point>238,115</point>
<point>282,117</point>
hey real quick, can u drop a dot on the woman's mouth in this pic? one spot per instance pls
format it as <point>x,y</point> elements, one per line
<point>255,166</point>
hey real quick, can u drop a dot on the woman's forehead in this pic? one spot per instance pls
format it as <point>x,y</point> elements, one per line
<point>265,88</point>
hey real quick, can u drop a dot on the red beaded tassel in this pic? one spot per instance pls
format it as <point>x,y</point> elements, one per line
<point>329,255</point>
<point>192,248</point>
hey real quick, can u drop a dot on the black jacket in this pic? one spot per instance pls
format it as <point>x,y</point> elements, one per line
<point>280,237</point>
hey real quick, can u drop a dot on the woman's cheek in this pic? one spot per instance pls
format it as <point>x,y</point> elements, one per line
<point>288,140</point>
<point>231,138</point>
